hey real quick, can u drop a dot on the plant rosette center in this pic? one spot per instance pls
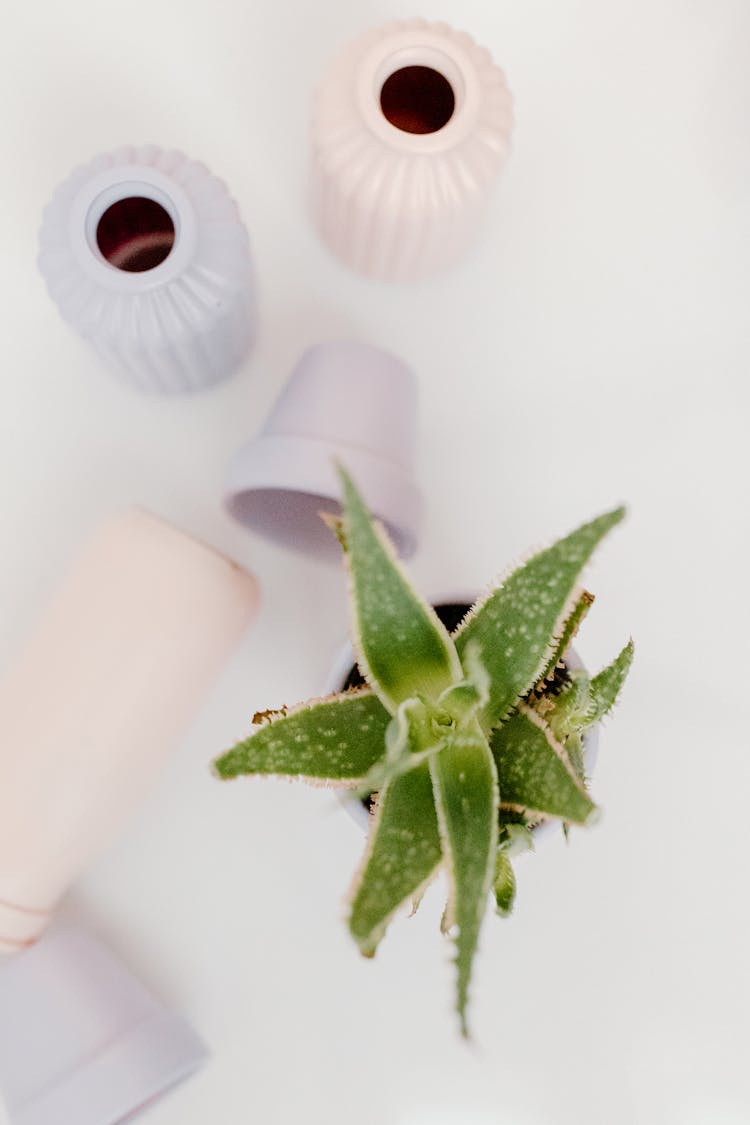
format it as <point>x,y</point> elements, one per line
<point>346,676</point>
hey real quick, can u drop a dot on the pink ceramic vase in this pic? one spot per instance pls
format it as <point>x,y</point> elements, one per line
<point>411,128</point>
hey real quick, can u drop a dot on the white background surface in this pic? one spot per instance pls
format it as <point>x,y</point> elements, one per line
<point>595,348</point>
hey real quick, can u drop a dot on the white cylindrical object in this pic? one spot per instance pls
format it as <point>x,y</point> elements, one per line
<point>115,671</point>
<point>411,128</point>
<point>145,255</point>
<point>345,402</point>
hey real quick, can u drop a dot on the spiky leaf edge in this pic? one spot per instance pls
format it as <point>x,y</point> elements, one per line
<point>454,671</point>
<point>466,943</point>
<point>277,717</point>
<point>576,595</point>
<point>530,812</point>
<point>368,942</point>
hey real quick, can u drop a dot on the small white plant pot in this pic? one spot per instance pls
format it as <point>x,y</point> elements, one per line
<point>346,660</point>
<point>111,677</point>
<point>145,255</point>
<point>346,403</point>
<point>411,128</point>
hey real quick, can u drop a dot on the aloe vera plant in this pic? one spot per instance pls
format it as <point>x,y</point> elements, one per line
<point>467,741</point>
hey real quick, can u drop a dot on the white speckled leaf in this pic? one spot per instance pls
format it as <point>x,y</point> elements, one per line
<point>465,785</point>
<point>534,772</point>
<point>403,648</point>
<point>607,685</point>
<point>518,626</point>
<point>402,855</point>
<point>337,739</point>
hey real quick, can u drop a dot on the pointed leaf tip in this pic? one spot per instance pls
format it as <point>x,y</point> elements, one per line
<point>519,625</point>
<point>593,818</point>
<point>336,525</point>
<point>606,685</point>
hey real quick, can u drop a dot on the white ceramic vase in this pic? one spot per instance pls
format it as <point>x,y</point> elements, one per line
<point>411,127</point>
<point>345,402</point>
<point>94,703</point>
<point>145,255</point>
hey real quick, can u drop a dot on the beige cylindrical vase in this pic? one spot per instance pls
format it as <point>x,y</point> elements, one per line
<point>112,676</point>
<point>411,128</point>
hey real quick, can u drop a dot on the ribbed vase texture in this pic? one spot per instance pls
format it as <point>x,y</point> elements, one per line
<point>390,203</point>
<point>184,324</point>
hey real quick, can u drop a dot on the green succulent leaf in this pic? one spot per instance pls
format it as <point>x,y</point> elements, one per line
<point>461,701</point>
<point>574,749</point>
<point>404,649</point>
<point>567,713</point>
<point>607,685</point>
<point>505,885</point>
<point>585,701</point>
<point>535,774</point>
<point>337,740</point>
<point>402,855</point>
<point>518,627</point>
<point>411,736</point>
<point>570,630</point>
<point>466,797</point>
